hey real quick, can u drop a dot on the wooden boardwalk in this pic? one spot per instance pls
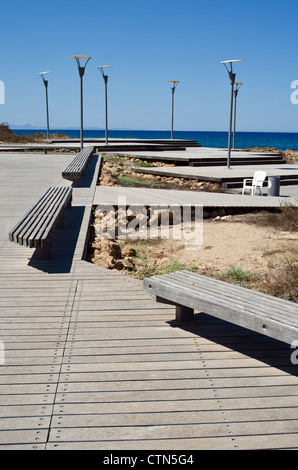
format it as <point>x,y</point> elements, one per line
<point>221,174</point>
<point>149,196</point>
<point>91,362</point>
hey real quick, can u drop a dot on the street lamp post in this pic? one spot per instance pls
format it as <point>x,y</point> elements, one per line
<point>42,76</point>
<point>81,69</point>
<point>175,83</point>
<point>232,82</point>
<point>105,79</point>
<point>238,85</point>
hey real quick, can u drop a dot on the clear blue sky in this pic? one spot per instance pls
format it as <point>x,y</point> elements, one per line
<point>149,43</point>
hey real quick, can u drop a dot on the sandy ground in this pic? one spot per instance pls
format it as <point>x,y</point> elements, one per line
<point>236,241</point>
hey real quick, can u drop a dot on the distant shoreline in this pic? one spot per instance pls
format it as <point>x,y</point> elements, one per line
<point>97,129</point>
<point>215,139</point>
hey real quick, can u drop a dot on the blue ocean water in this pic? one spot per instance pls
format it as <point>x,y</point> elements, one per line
<point>279,140</point>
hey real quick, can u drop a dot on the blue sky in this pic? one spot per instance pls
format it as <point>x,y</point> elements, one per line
<point>149,43</point>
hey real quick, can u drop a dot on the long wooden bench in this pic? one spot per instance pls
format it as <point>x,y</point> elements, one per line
<point>35,229</point>
<point>256,311</point>
<point>77,166</point>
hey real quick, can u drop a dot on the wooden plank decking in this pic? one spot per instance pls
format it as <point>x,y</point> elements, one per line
<point>149,196</point>
<point>91,362</point>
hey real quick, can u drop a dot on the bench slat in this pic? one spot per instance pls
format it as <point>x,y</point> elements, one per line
<point>213,287</point>
<point>36,226</point>
<point>28,234</point>
<point>49,218</point>
<point>240,297</point>
<point>77,167</point>
<point>59,210</point>
<point>235,304</point>
<point>202,301</point>
<point>209,283</point>
<point>33,221</point>
<point>15,234</point>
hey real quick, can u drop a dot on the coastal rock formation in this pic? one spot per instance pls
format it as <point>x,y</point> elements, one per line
<point>108,254</point>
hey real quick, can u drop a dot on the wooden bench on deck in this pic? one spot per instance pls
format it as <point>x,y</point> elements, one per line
<point>35,229</point>
<point>77,166</point>
<point>256,311</point>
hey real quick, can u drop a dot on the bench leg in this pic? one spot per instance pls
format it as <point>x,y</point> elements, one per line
<point>184,313</point>
<point>44,252</point>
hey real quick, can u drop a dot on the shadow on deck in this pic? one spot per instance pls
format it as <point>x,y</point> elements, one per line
<point>269,351</point>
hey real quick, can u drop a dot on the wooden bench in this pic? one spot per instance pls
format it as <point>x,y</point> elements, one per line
<point>35,229</point>
<point>76,168</point>
<point>256,311</point>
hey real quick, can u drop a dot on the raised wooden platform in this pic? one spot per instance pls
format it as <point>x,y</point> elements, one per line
<point>155,197</point>
<point>227,177</point>
<point>204,156</point>
<point>125,145</point>
<point>92,363</point>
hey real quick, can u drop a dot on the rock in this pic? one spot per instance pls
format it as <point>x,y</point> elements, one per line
<point>213,214</point>
<point>221,212</point>
<point>128,264</point>
<point>160,216</point>
<point>112,248</point>
<point>128,251</point>
<point>118,265</point>
<point>107,247</point>
<point>96,244</point>
<point>104,260</point>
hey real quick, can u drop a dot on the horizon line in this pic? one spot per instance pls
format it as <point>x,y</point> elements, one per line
<point>140,130</point>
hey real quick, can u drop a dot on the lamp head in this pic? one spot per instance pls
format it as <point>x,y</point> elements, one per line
<point>102,67</point>
<point>80,57</point>
<point>175,83</point>
<point>81,67</point>
<point>231,62</point>
<point>42,74</point>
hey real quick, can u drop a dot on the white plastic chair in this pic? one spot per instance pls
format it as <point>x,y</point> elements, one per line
<point>255,183</point>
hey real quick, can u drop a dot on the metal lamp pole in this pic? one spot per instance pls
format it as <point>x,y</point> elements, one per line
<point>175,83</point>
<point>42,74</point>
<point>232,82</point>
<point>105,79</point>
<point>238,85</point>
<point>81,69</point>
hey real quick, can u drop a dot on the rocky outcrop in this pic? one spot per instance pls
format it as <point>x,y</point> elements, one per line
<point>109,255</point>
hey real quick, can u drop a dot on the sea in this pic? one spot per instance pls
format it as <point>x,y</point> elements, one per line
<point>216,139</point>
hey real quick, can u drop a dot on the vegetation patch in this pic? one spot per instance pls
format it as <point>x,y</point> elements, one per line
<point>281,282</point>
<point>119,171</point>
<point>134,181</point>
<point>8,137</point>
<point>285,219</point>
<point>238,276</point>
